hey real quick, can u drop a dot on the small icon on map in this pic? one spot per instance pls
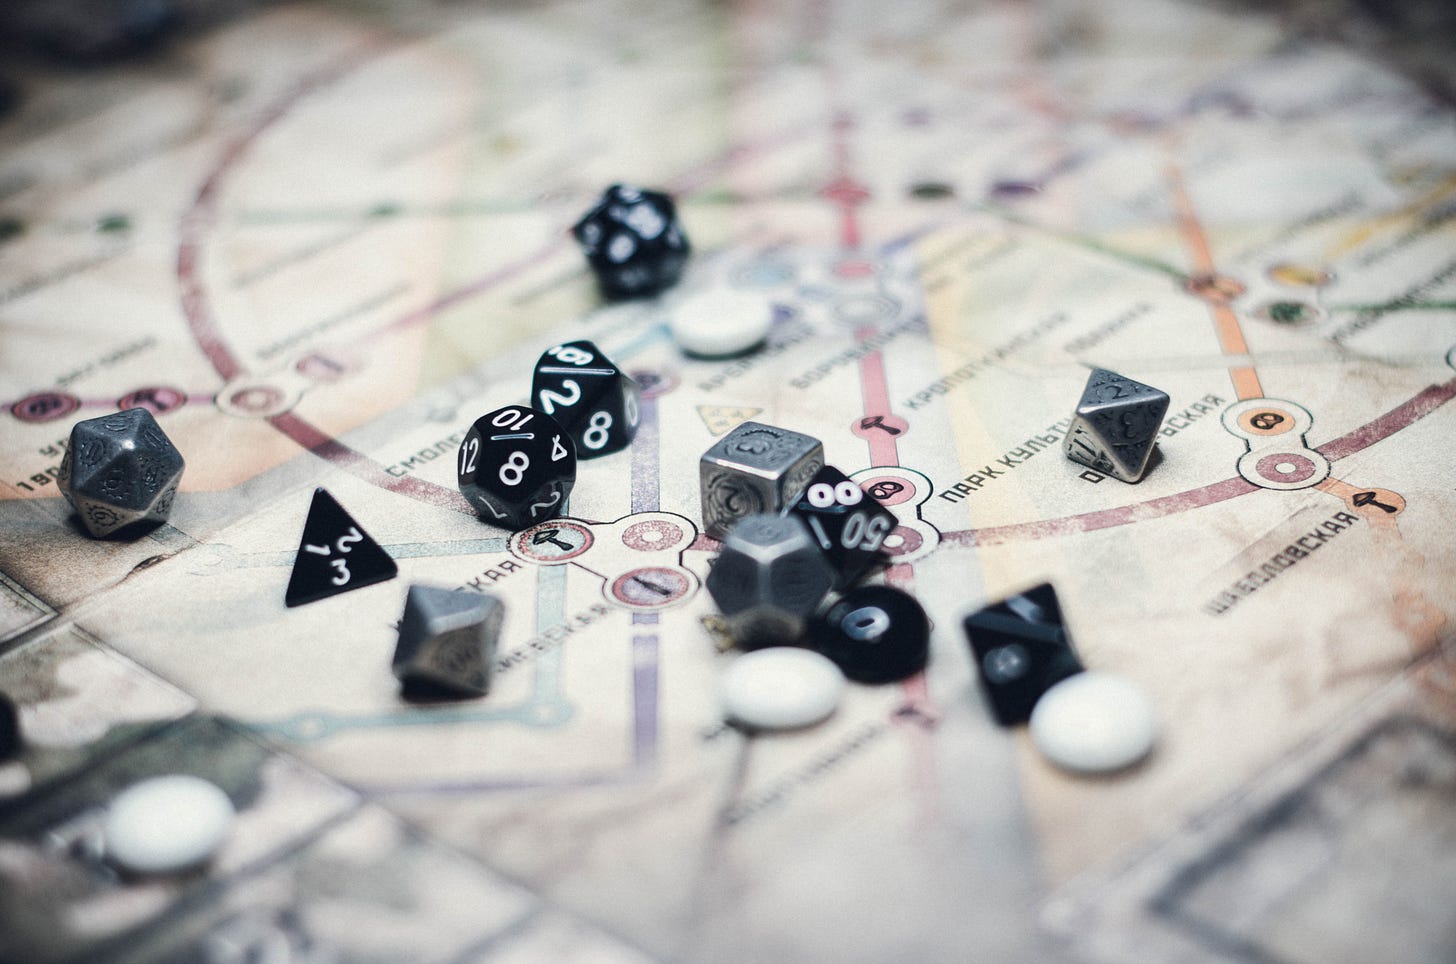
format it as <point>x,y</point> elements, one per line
<point>334,555</point>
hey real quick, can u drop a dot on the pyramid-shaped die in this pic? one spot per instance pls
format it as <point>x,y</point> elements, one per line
<point>119,471</point>
<point>1115,425</point>
<point>447,640</point>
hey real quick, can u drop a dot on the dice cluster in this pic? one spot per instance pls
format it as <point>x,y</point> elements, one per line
<point>798,536</point>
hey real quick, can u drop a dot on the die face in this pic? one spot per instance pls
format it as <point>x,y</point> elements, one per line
<point>597,403</point>
<point>120,470</point>
<point>447,640</point>
<point>874,634</point>
<point>1021,650</point>
<point>633,242</point>
<point>1115,425</point>
<point>848,524</point>
<point>768,579</point>
<point>516,466</point>
<point>755,468</point>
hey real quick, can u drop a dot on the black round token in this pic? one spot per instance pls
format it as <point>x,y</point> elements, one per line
<point>875,634</point>
<point>9,728</point>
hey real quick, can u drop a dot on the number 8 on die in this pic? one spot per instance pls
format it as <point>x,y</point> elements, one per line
<point>516,466</point>
<point>595,401</point>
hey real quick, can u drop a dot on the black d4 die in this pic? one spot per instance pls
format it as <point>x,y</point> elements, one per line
<point>597,403</point>
<point>516,466</point>
<point>633,242</point>
<point>848,524</point>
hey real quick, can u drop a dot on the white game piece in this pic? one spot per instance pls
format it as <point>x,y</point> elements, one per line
<point>781,688</point>
<point>721,322</point>
<point>165,824</point>
<point>1094,723</point>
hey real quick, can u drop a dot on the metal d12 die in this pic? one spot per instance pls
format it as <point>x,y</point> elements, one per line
<point>755,468</point>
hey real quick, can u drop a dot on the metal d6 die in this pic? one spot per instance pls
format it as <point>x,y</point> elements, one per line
<point>755,468</point>
<point>1115,425</point>
<point>598,404</point>
<point>119,472</point>
<point>847,523</point>
<point>447,640</point>
<point>633,242</point>
<point>1021,650</point>
<point>769,579</point>
<point>516,467</point>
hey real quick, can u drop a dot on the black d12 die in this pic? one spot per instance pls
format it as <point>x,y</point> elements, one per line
<point>848,524</point>
<point>633,242</point>
<point>517,466</point>
<point>596,402</point>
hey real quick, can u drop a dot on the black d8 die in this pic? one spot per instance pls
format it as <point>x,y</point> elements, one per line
<point>633,242</point>
<point>1022,650</point>
<point>594,401</point>
<point>517,466</point>
<point>849,525</point>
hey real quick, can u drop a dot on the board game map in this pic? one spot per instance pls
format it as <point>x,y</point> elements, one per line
<point>318,239</point>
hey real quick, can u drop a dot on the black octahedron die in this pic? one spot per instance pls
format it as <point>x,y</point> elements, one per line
<point>516,466</point>
<point>597,403</point>
<point>633,242</point>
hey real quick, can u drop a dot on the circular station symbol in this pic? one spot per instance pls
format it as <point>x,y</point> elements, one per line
<point>1266,421</point>
<point>653,535</point>
<point>256,400</point>
<point>1286,468</point>
<point>45,406</point>
<point>888,489</point>
<point>871,309</point>
<point>654,384</point>
<point>653,587</point>
<point>1214,288</point>
<point>156,399</point>
<point>553,542</point>
<point>879,426</point>
<point>902,541</point>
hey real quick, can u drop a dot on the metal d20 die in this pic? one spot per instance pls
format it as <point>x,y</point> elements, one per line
<point>1115,425</point>
<point>447,640</point>
<point>120,472</point>
<point>755,468</point>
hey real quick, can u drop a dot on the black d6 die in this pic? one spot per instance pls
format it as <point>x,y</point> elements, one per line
<point>633,242</point>
<point>517,466</point>
<point>849,525</point>
<point>597,403</point>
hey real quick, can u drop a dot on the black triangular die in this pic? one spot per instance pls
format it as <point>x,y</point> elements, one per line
<point>334,555</point>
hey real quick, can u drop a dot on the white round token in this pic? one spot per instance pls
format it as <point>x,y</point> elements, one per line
<point>1094,723</point>
<point>166,824</point>
<point>721,322</point>
<point>781,688</point>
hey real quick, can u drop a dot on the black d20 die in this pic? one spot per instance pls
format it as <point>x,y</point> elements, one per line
<point>633,241</point>
<point>517,466</point>
<point>596,402</point>
<point>848,524</point>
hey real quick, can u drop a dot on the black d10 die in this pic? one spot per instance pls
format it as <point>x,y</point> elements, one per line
<point>1021,650</point>
<point>874,634</point>
<point>849,525</point>
<point>633,242</point>
<point>597,403</point>
<point>517,467</point>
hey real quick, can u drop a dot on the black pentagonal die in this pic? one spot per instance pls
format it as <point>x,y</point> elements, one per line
<point>874,634</point>
<point>595,401</point>
<point>447,641</point>
<point>120,473</point>
<point>516,467</point>
<point>633,242</point>
<point>1021,649</point>
<point>848,524</point>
